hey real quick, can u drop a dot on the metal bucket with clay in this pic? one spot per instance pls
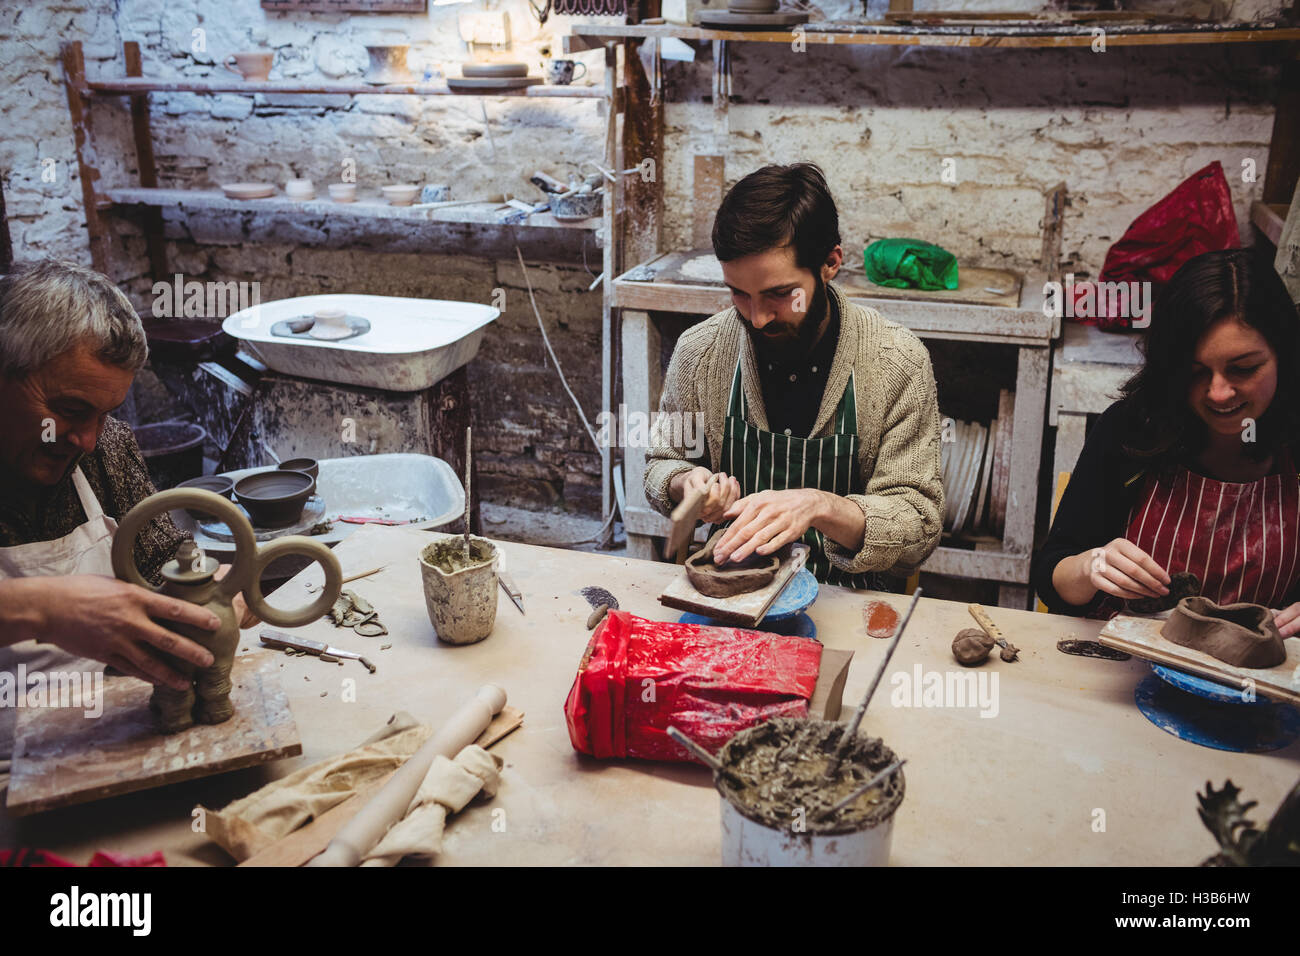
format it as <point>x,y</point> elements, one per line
<point>460,592</point>
<point>758,832</point>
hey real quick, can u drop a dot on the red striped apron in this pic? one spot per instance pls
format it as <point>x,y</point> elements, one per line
<point>1241,539</point>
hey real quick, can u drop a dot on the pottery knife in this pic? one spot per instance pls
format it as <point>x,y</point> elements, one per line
<point>508,585</point>
<point>280,640</point>
<point>1009,651</point>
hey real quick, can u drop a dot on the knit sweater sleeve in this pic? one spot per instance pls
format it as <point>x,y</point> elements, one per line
<point>668,455</point>
<point>902,506</point>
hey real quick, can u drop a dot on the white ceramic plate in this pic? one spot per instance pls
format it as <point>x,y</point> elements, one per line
<point>248,190</point>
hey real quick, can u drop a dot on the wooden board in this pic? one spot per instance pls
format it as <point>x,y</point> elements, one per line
<point>62,757</point>
<point>743,610</point>
<point>1140,636</point>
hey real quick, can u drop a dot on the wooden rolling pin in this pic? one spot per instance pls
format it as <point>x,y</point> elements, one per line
<point>1009,651</point>
<point>360,834</point>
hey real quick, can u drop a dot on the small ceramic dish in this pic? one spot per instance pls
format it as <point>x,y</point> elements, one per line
<point>401,194</point>
<point>248,190</point>
<point>274,499</point>
<point>217,484</point>
<point>343,192</point>
<point>308,466</point>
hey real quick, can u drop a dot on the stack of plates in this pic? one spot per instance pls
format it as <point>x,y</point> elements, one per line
<point>975,471</point>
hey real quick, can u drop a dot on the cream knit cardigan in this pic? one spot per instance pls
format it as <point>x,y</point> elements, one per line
<point>898,426</point>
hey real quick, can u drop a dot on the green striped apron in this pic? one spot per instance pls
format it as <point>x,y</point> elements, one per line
<point>763,461</point>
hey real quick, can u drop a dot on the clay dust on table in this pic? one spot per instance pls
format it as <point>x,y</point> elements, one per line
<point>449,556</point>
<point>780,769</point>
<point>881,618</point>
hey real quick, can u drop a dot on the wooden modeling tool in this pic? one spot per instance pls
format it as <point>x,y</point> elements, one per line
<point>468,472</point>
<point>1009,650</point>
<point>705,757</point>
<point>875,781</point>
<point>684,517</point>
<point>852,731</point>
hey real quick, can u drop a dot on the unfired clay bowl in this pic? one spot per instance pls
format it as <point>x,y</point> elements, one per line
<point>343,192</point>
<point>753,573</point>
<point>217,484</point>
<point>1242,635</point>
<point>275,499</point>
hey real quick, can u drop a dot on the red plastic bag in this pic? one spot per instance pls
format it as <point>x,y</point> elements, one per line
<point>639,677</point>
<point>1196,217</point>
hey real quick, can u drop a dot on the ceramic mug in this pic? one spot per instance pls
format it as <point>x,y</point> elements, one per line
<point>561,72</point>
<point>251,66</point>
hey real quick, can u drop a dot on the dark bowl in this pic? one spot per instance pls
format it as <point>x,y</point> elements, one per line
<point>309,466</point>
<point>275,499</point>
<point>217,484</point>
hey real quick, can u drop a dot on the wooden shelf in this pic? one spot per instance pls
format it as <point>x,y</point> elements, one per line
<point>853,33</point>
<point>477,213</point>
<point>1269,217</point>
<point>932,318</point>
<point>137,85</point>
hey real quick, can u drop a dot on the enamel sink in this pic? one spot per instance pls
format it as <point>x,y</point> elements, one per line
<point>411,345</point>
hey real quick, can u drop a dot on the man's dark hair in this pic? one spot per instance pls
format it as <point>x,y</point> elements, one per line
<point>1214,285</point>
<point>777,206</point>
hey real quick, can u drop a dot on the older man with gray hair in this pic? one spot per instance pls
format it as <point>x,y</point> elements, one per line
<point>70,345</point>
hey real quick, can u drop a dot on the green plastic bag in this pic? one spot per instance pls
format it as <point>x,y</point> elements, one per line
<point>910,264</point>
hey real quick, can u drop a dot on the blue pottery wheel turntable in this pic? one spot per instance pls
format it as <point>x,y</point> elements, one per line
<point>1214,715</point>
<point>785,616</point>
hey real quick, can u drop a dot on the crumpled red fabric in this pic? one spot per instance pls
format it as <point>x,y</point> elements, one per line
<point>24,856</point>
<point>638,677</point>
<point>1196,217</point>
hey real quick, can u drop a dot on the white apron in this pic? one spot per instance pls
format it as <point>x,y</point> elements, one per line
<point>88,549</point>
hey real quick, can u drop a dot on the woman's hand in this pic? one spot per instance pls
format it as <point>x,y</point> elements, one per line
<point>724,493</point>
<point>1288,620</point>
<point>245,617</point>
<point>1124,570</point>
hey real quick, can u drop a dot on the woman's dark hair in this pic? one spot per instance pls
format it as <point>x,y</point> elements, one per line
<point>777,206</point>
<point>1213,286</point>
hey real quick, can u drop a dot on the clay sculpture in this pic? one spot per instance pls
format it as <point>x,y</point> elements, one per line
<point>1182,584</point>
<point>190,576</point>
<point>1243,635</point>
<point>971,646</point>
<point>733,578</point>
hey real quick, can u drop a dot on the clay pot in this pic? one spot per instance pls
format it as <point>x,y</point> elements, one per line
<point>217,484</point>
<point>462,603</point>
<point>254,66</point>
<point>275,499</point>
<point>343,192</point>
<point>1242,635</point>
<point>401,194</point>
<point>755,572</point>
<point>308,466</point>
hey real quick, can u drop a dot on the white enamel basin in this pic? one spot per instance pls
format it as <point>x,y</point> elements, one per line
<point>412,343</point>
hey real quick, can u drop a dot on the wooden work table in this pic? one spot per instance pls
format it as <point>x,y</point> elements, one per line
<point>1022,787</point>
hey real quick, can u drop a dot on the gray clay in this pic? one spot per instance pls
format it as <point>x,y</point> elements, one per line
<point>778,777</point>
<point>740,577</point>
<point>1242,635</point>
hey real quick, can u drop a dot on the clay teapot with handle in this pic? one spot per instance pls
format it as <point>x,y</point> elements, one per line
<point>190,577</point>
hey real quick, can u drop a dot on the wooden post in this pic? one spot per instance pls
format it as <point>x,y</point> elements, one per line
<point>611,225</point>
<point>449,416</point>
<point>74,80</point>
<point>6,244</point>
<point>151,216</point>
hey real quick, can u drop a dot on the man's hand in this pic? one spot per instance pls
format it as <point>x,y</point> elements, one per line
<point>1288,620</point>
<point>724,493</point>
<point>767,521</point>
<point>95,616</point>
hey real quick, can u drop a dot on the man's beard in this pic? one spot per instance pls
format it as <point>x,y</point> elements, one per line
<point>786,349</point>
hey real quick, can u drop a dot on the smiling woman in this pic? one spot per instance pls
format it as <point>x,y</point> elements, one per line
<point>1194,469</point>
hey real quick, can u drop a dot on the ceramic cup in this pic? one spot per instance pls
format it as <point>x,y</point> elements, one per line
<point>401,194</point>
<point>343,192</point>
<point>562,72</point>
<point>300,189</point>
<point>253,65</point>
